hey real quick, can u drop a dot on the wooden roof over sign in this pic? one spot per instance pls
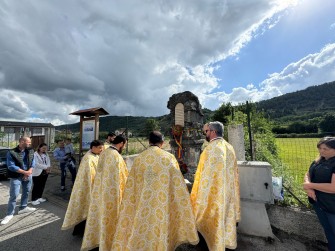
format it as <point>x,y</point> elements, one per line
<point>90,112</point>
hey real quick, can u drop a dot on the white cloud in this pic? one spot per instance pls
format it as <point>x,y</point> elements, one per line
<point>128,57</point>
<point>317,68</point>
<point>312,69</point>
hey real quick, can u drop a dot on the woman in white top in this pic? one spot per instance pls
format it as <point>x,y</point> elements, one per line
<point>40,173</point>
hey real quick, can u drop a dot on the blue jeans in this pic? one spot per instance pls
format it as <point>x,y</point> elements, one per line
<point>63,174</point>
<point>327,221</point>
<point>15,185</point>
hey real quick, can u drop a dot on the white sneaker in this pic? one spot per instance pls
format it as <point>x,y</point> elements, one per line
<point>27,210</point>
<point>35,202</point>
<point>42,200</point>
<point>6,219</point>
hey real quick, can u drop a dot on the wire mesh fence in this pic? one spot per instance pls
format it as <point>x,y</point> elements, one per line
<point>296,156</point>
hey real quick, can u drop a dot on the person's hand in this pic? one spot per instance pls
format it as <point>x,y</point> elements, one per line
<point>25,177</point>
<point>307,185</point>
<point>311,193</point>
<point>29,172</point>
<point>48,169</point>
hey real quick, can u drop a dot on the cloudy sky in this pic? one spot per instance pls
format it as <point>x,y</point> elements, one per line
<point>129,57</point>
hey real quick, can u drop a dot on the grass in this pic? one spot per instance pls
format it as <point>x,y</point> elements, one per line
<point>296,155</point>
<point>137,145</point>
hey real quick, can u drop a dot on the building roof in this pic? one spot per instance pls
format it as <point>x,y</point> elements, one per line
<point>90,112</point>
<point>24,124</point>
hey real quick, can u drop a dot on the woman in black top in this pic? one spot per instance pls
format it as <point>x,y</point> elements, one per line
<point>320,187</point>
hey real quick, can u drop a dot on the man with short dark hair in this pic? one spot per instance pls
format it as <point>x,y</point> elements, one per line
<point>156,212</point>
<point>20,162</point>
<point>110,137</point>
<point>106,196</point>
<point>215,193</point>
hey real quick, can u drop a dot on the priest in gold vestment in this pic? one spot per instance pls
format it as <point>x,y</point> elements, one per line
<point>156,212</point>
<point>215,193</point>
<point>106,197</point>
<point>79,203</point>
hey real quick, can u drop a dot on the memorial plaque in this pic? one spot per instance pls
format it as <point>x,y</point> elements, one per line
<point>179,114</point>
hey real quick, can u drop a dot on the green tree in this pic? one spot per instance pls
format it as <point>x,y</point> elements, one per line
<point>263,138</point>
<point>327,123</point>
<point>223,113</point>
<point>151,125</point>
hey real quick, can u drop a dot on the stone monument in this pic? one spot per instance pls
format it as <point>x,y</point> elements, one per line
<point>186,127</point>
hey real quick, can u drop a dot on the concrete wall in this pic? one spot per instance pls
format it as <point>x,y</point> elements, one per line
<point>304,224</point>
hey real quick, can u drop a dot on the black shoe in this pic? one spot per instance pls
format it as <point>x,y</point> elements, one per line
<point>62,188</point>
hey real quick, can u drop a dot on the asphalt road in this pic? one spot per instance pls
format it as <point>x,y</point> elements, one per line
<point>41,230</point>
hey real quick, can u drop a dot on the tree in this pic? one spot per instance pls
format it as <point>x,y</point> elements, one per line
<point>327,123</point>
<point>151,125</point>
<point>223,113</point>
<point>297,127</point>
<point>263,138</point>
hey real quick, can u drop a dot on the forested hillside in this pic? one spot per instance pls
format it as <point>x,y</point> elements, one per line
<point>136,125</point>
<point>312,102</point>
<point>306,107</point>
<point>112,123</point>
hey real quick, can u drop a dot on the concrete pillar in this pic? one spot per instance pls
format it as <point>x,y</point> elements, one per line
<point>254,219</point>
<point>236,139</point>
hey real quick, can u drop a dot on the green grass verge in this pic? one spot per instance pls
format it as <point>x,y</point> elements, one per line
<point>296,155</point>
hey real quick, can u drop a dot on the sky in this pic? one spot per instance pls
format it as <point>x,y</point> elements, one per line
<point>129,57</point>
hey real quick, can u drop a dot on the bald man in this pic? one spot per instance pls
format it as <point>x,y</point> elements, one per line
<point>20,162</point>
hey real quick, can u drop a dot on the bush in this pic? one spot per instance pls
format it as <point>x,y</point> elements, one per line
<point>301,135</point>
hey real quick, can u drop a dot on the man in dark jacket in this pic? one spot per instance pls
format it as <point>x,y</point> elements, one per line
<point>20,162</point>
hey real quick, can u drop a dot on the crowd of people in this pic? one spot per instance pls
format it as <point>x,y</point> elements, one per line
<point>149,207</point>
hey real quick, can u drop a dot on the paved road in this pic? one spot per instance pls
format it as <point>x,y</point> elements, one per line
<point>40,230</point>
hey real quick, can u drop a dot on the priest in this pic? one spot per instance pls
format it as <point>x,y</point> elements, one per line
<point>215,194</point>
<point>106,197</point>
<point>156,212</point>
<point>79,203</point>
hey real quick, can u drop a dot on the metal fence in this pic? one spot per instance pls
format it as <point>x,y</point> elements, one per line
<point>296,156</point>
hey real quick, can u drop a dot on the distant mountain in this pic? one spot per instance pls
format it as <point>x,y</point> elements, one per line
<point>309,103</point>
<point>135,124</point>
<point>112,123</point>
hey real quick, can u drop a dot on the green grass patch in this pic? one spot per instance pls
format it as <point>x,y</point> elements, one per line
<point>296,155</point>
